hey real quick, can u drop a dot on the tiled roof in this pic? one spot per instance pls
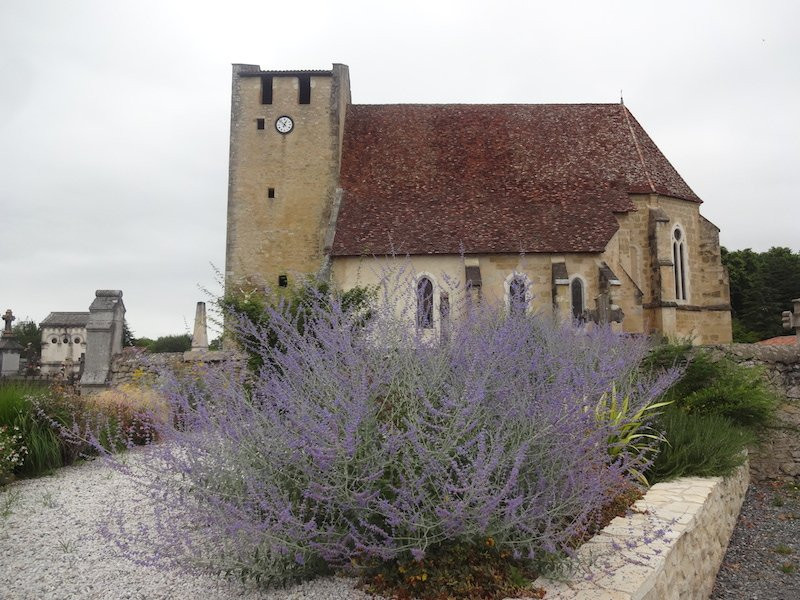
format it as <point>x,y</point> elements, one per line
<point>781,340</point>
<point>439,179</point>
<point>66,319</point>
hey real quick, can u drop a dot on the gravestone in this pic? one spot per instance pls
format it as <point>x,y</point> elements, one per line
<point>10,349</point>
<point>103,337</point>
<point>791,319</point>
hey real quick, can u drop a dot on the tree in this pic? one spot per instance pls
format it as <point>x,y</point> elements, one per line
<point>172,343</point>
<point>762,286</point>
<point>127,335</point>
<point>29,332</point>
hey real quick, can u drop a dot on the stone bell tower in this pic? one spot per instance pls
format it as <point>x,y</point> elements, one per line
<point>285,149</point>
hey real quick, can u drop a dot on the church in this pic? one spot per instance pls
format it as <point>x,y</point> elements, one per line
<point>565,209</point>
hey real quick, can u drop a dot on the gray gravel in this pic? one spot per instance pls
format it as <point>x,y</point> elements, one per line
<point>50,547</point>
<point>763,558</point>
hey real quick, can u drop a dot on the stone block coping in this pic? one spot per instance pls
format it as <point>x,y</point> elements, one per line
<point>631,560</point>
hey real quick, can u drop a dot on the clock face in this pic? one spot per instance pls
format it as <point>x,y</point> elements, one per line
<point>284,124</point>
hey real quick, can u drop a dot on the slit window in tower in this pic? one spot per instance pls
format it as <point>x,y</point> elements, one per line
<point>266,89</point>
<point>305,89</point>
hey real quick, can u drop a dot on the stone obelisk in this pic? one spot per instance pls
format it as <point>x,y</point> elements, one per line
<point>200,337</point>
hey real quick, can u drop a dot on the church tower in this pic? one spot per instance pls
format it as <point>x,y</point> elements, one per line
<point>286,137</point>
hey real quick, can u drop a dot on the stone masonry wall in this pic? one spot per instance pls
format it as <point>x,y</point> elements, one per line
<point>698,514</point>
<point>129,366</point>
<point>778,457</point>
<point>133,364</point>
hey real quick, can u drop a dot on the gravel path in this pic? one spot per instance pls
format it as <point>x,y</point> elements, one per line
<point>763,558</point>
<point>50,547</point>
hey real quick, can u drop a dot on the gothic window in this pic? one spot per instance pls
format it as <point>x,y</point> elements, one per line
<point>679,260</point>
<point>576,296</point>
<point>518,294</point>
<point>425,303</point>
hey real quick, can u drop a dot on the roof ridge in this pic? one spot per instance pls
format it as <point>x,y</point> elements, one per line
<point>437,104</point>
<point>625,112</point>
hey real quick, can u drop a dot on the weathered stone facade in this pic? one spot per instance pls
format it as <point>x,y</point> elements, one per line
<point>778,455</point>
<point>285,192</point>
<point>63,342</point>
<point>281,186</point>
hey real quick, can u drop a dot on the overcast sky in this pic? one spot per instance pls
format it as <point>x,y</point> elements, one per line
<point>114,116</point>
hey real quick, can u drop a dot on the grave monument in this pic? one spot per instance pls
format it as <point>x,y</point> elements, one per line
<point>10,349</point>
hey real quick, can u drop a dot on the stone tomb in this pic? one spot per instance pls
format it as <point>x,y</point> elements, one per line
<point>104,337</point>
<point>63,342</point>
<point>10,349</point>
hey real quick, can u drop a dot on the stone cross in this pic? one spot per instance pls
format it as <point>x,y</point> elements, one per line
<point>791,319</point>
<point>8,318</point>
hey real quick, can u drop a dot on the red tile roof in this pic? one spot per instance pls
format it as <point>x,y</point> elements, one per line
<point>439,179</point>
<point>781,340</point>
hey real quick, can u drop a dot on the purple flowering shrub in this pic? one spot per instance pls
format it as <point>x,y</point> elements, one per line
<point>358,442</point>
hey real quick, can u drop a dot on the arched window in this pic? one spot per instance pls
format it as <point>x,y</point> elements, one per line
<point>576,297</point>
<point>425,303</point>
<point>518,289</point>
<point>679,262</point>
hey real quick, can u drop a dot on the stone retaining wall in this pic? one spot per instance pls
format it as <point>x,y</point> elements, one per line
<point>699,515</point>
<point>778,456</point>
<point>133,364</point>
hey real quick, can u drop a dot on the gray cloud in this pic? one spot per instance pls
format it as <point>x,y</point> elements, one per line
<point>114,116</point>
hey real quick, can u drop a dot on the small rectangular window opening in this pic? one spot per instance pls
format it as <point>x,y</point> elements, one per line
<point>266,89</point>
<point>283,281</point>
<point>260,123</point>
<point>305,89</point>
<point>270,192</point>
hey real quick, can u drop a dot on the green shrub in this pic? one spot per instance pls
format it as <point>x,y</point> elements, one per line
<point>300,301</point>
<point>171,343</point>
<point>18,410</point>
<point>697,445</point>
<point>12,451</point>
<point>736,392</point>
<point>712,386</point>
<point>39,414</point>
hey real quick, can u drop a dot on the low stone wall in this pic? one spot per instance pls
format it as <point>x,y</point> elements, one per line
<point>133,364</point>
<point>778,456</point>
<point>623,562</point>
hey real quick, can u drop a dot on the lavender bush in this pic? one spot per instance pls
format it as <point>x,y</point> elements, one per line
<point>357,442</point>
